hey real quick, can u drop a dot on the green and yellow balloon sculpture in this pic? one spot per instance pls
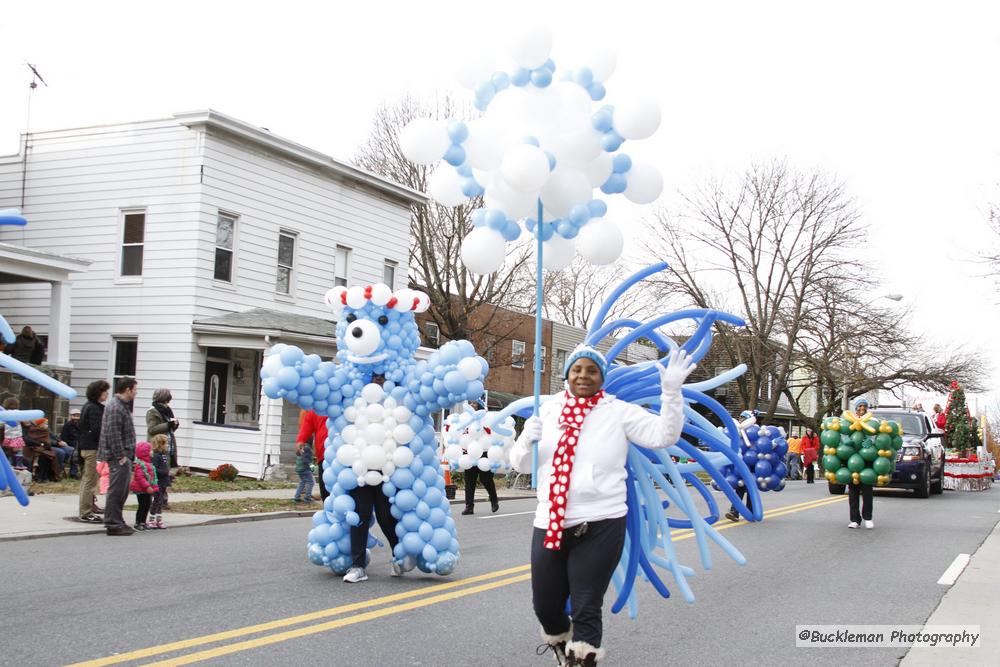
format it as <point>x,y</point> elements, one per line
<point>860,450</point>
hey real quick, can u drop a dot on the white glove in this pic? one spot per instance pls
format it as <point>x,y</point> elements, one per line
<point>533,429</point>
<point>672,376</point>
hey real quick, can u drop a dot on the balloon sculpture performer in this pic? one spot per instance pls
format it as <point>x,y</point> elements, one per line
<point>860,451</point>
<point>382,447</point>
<point>618,427</point>
<point>763,449</point>
<point>479,452</point>
<point>8,479</point>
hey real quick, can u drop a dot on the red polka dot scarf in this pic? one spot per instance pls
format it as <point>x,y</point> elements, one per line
<point>570,420</point>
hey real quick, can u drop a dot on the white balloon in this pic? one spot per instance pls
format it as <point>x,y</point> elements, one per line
<point>637,118</point>
<point>465,462</point>
<point>485,145</point>
<point>573,99</point>
<point>402,457</point>
<point>557,253</point>
<point>470,368</point>
<point>361,421</point>
<point>375,413</point>
<point>644,183</point>
<point>403,434</point>
<point>483,250</point>
<point>453,453</point>
<point>475,449</point>
<point>445,186</point>
<point>401,414</point>
<point>359,469</point>
<point>579,143</point>
<point>599,169</point>
<point>424,140</point>
<point>347,454</point>
<point>349,433</point>
<point>601,60</point>
<point>373,477</point>
<point>514,204</point>
<point>483,464</point>
<point>473,70</point>
<point>373,457</point>
<point>381,293</point>
<point>531,49</point>
<point>565,188</point>
<point>371,391</point>
<point>525,167</point>
<point>350,413</point>
<point>375,433</point>
<point>495,453</point>
<point>600,241</point>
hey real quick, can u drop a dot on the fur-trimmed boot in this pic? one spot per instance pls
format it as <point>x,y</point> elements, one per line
<point>558,645</point>
<point>582,654</point>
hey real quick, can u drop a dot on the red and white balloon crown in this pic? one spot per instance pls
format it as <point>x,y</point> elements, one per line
<point>379,294</point>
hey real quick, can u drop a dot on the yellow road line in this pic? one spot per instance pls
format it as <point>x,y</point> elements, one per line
<point>292,620</point>
<point>385,600</point>
<point>330,625</point>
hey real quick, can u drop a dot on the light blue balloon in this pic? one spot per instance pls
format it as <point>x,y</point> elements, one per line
<point>288,378</point>
<point>436,517</point>
<point>549,65</point>
<point>500,80</point>
<point>597,91</point>
<point>315,554</point>
<point>429,553</point>
<point>446,563</point>
<point>412,544</point>
<point>541,77</point>
<point>455,155</point>
<point>583,76</point>
<point>433,498</point>
<point>546,231</point>
<point>319,518</point>
<point>411,522</point>
<point>495,219</point>
<point>615,184</point>
<point>475,389</point>
<point>458,132</point>
<point>271,387</point>
<point>521,76</point>
<point>611,141</point>
<point>621,163</point>
<point>291,355</point>
<point>552,160</point>
<point>530,139</point>
<point>440,539</point>
<point>320,535</point>
<point>419,488</point>
<point>603,119</point>
<point>406,499</point>
<point>511,231</point>
<point>455,382</point>
<point>347,480</point>
<point>425,531</point>
<point>579,214</point>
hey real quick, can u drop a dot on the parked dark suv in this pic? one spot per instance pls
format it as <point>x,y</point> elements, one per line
<point>920,461</point>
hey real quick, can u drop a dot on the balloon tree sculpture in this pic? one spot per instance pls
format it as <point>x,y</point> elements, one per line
<point>545,141</point>
<point>8,479</point>
<point>378,400</point>
<point>653,472</point>
<point>860,450</point>
<point>475,445</point>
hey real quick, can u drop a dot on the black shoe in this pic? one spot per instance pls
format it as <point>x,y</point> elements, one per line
<point>140,526</point>
<point>495,505</point>
<point>120,530</point>
<point>733,515</point>
<point>467,510</point>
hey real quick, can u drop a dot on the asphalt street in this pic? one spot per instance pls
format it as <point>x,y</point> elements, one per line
<point>244,593</point>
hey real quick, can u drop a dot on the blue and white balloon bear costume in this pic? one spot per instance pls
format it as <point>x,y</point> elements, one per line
<point>380,433</point>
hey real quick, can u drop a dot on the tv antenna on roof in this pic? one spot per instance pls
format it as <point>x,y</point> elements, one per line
<point>35,78</point>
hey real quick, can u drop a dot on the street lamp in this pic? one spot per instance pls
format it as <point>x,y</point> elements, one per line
<point>846,399</point>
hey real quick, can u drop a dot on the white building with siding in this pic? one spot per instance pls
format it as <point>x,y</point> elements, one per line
<point>201,241</point>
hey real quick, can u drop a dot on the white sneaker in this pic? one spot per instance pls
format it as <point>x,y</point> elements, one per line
<point>853,524</point>
<point>396,570</point>
<point>869,524</point>
<point>354,575</point>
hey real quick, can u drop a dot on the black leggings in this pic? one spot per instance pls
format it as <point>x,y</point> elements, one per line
<point>866,494</point>
<point>740,492</point>
<point>367,498</point>
<point>145,500</point>
<point>471,475</point>
<point>581,572</point>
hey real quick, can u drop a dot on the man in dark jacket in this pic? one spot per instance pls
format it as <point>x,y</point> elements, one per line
<point>90,434</point>
<point>117,447</point>
<point>26,347</point>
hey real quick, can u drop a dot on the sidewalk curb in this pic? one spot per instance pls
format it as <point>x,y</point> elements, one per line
<point>235,518</point>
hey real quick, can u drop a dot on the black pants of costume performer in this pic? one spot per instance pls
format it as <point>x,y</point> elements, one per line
<point>866,495</point>
<point>580,571</point>
<point>472,475</point>
<point>366,499</point>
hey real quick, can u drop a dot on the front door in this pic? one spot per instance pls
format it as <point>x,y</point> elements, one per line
<point>214,407</point>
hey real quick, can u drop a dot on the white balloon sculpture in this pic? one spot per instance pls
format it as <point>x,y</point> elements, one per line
<point>483,447</point>
<point>541,147</point>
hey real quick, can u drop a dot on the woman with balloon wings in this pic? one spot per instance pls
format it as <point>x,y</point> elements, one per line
<point>580,522</point>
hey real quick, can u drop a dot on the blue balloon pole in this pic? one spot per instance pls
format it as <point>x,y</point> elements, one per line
<point>538,338</point>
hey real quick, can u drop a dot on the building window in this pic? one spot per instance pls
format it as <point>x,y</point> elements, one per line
<point>225,233</point>
<point>545,357</point>
<point>286,260</point>
<point>432,334</point>
<point>517,354</point>
<point>721,391</point>
<point>126,352</point>
<point>389,273</point>
<point>560,361</point>
<point>341,266</point>
<point>133,238</point>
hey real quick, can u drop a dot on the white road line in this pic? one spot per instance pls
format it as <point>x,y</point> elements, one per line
<point>954,570</point>
<point>500,516</point>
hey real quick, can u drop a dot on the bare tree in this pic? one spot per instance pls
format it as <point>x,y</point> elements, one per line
<point>574,295</point>
<point>774,234</point>
<point>457,296</point>
<point>848,343</point>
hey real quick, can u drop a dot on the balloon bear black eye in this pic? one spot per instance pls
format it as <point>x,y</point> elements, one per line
<point>351,318</point>
<point>383,320</point>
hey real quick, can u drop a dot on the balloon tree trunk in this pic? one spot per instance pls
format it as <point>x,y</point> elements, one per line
<point>538,339</point>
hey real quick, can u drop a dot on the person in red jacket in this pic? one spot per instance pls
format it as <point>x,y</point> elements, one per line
<point>313,426</point>
<point>810,452</point>
<point>144,483</point>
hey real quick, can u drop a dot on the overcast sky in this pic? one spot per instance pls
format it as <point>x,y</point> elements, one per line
<point>899,100</point>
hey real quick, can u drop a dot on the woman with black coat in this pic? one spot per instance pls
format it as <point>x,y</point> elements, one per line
<point>90,435</point>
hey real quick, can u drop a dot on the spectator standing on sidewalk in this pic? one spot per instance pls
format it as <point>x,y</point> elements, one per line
<point>117,448</point>
<point>90,434</point>
<point>143,483</point>
<point>161,464</point>
<point>312,425</point>
<point>792,458</point>
<point>303,467</point>
<point>810,454</point>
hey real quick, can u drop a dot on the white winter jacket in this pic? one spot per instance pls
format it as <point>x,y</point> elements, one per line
<point>597,488</point>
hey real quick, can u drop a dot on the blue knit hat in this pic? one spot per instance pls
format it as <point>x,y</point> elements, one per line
<point>862,401</point>
<point>585,351</point>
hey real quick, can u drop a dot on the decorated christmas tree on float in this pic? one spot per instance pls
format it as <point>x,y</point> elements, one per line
<point>957,430</point>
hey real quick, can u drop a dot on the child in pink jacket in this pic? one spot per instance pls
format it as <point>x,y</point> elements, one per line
<point>143,483</point>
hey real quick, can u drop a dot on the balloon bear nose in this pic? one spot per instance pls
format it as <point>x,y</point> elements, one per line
<point>357,332</point>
